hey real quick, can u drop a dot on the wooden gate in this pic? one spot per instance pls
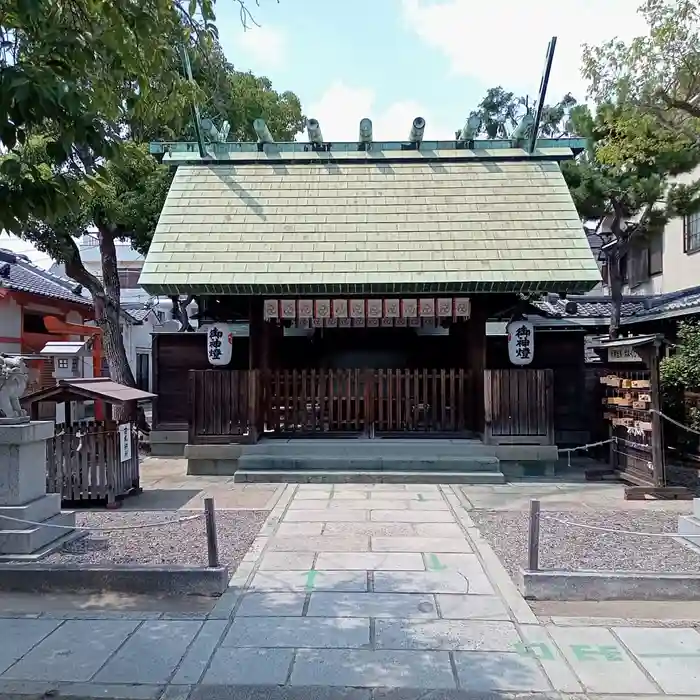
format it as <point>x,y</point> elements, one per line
<point>219,405</point>
<point>367,401</point>
<point>518,406</point>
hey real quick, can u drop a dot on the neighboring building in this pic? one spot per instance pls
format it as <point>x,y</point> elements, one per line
<point>666,262</point>
<point>143,314</point>
<point>27,295</point>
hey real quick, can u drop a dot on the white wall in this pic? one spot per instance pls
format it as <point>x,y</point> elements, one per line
<point>10,326</point>
<point>680,270</point>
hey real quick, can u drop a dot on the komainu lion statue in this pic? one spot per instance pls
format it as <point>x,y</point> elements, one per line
<point>14,378</point>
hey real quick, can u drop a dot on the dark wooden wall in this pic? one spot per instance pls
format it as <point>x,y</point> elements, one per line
<point>174,354</point>
<point>577,390</point>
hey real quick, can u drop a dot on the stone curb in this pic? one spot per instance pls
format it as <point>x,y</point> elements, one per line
<point>492,564</point>
<point>228,601</point>
<point>126,578</point>
<point>608,585</point>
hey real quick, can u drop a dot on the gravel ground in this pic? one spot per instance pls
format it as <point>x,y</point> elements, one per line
<point>566,547</point>
<point>182,543</point>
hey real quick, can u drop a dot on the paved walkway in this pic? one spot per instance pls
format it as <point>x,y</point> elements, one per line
<point>348,590</point>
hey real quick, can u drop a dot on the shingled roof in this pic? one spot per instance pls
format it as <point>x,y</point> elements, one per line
<point>428,221</point>
<point>18,274</point>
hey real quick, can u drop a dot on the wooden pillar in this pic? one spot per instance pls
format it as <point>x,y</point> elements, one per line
<point>476,361</point>
<point>257,360</point>
<point>651,358</point>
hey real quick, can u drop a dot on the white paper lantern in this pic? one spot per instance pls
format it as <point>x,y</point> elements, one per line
<point>521,342</point>
<point>219,344</point>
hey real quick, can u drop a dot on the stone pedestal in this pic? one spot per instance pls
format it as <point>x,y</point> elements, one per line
<point>23,494</point>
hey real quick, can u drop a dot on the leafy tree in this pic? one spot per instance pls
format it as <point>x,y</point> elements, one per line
<point>680,372</point>
<point>627,203</point>
<point>81,84</point>
<point>658,74</point>
<point>501,111</point>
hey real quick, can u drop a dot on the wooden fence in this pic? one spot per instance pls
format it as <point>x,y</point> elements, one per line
<point>225,404</point>
<point>83,463</point>
<point>519,406</point>
<point>367,401</point>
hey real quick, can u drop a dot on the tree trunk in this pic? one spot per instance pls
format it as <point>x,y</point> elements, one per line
<point>109,315</point>
<point>105,299</point>
<point>615,283</point>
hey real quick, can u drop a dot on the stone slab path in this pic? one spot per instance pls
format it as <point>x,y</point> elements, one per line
<point>348,591</point>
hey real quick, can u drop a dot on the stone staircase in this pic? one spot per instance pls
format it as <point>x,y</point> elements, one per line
<point>370,461</point>
<point>689,525</point>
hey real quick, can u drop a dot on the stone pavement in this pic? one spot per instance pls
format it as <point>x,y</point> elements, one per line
<point>350,590</point>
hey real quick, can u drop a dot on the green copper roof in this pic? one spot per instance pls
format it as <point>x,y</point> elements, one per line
<point>269,225</point>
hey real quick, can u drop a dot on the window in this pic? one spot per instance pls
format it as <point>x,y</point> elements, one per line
<point>34,323</point>
<point>62,363</point>
<point>691,233</point>
<point>128,277</point>
<point>656,254</point>
<point>142,370</point>
<point>638,265</point>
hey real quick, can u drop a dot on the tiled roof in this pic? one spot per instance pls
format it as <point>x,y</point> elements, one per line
<point>586,306</point>
<point>20,275</point>
<point>139,314</point>
<point>635,308</point>
<point>438,222</point>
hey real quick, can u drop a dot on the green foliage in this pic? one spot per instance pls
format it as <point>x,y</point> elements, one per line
<point>67,70</point>
<point>500,112</point>
<point>654,81</point>
<point>83,85</point>
<point>81,81</point>
<point>680,372</point>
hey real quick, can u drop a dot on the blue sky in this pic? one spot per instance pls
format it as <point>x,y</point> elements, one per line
<point>393,60</point>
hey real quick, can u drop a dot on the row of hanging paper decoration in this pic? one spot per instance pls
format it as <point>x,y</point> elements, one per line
<point>355,309</point>
<point>365,322</point>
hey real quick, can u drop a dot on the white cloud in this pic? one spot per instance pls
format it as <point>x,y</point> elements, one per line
<point>504,43</point>
<point>341,107</point>
<point>265,46</point>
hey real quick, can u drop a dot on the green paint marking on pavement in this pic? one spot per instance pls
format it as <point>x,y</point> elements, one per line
<point>674,655</point>
<point>538,651</point>
<point>586,652</point>
<point>310,579</point>
<point>434,564</point>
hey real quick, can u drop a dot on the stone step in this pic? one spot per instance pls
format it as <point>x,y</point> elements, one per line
<point>367,463</point>
<point>689,528</point>
<point>368,477</point>
<point>34,537</point>
<point>425,447</point>
<point>37,510</point>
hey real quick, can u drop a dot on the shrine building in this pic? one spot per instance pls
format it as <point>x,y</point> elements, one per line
<point>342,290</point>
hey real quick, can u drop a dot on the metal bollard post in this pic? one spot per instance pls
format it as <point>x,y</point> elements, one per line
<point>212,542</point>
<point>533,537</point>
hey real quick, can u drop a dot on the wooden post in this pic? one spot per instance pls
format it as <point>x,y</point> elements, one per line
<point>476,358</point>
<point>256,340</point>
<point>212,541</point>
<point>533,537</point>
<point>657,427</point>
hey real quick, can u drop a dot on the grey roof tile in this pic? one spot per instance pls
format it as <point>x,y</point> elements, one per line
<point>467,226</point>
<point>18,274</point>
